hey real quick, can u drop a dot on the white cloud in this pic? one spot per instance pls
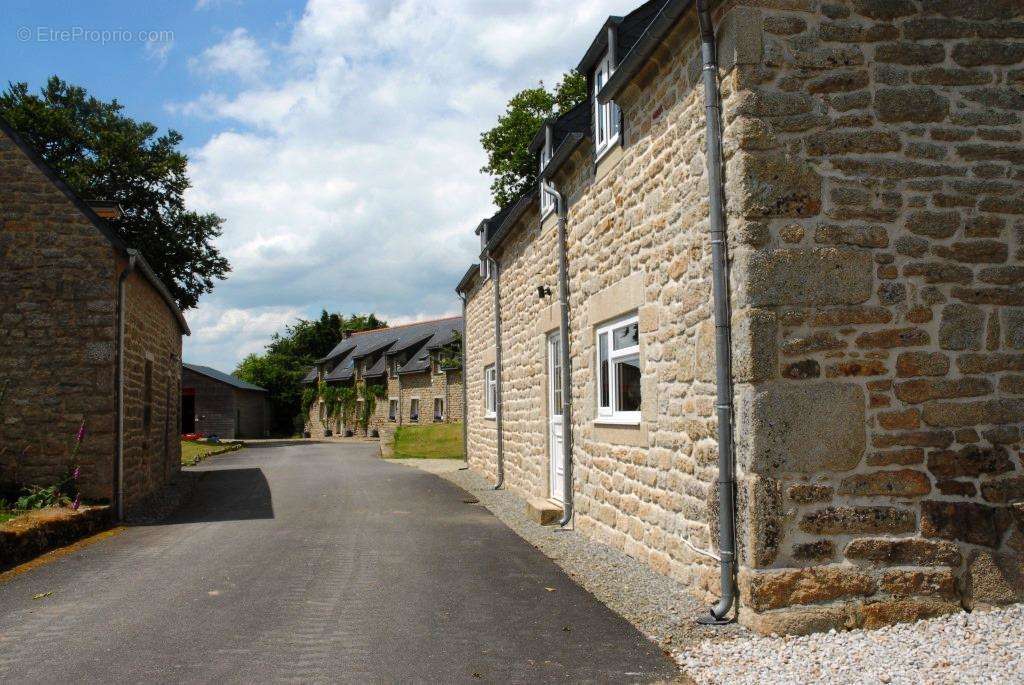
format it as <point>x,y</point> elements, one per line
<point>237,55</point>
<point>351,182</point>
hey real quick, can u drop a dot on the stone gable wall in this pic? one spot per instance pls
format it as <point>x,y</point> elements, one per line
<point>873,164</point>
<point>58,330</point>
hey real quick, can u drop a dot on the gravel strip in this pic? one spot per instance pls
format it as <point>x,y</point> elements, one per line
<point>983,647</point>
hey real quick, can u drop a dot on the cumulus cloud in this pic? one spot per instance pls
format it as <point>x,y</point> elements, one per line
<point>237,55</point>
<point>351,182</point>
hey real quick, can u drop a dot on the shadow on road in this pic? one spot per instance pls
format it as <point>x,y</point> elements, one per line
<point>227,495</point>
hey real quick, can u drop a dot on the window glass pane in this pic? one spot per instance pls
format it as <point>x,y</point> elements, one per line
<point>627,383</point>
<point>602,345</point>
<point>626,336</point>
<point>614,113</point>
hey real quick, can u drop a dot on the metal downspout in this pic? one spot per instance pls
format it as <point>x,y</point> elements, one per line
<point>496,277</point>
<point>465,390</point>
<point>119,460</point>
<point>723,333</point>
<point>563,353</point>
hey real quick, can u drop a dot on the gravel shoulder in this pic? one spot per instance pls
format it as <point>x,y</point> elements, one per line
<point>983,647</point>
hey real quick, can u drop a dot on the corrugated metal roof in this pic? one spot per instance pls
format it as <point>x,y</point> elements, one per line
<point>216,375</point>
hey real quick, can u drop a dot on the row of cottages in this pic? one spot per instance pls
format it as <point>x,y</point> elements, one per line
<point>416,368</point>
<point>834,433</point>
<point>91,338</point>
<point>214,403</point>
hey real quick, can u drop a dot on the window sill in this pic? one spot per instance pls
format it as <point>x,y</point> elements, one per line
<point>491,417</point>
<point>612,421</point>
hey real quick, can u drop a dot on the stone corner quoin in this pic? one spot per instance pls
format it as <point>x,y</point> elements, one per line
<point>875,176</point>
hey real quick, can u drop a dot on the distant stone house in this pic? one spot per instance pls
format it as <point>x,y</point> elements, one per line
<point>90,337</point>
<point>416,367</point>
<point>873,175</point>
<point>217,403</point>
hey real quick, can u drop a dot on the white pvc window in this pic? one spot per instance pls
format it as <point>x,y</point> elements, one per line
<point>490,391</point>
<point>439,409</point>
<point>392,409</point>
<point>618,371</point>
<point>606,116</point>
<point>414,410</point>
<point>547,203</point>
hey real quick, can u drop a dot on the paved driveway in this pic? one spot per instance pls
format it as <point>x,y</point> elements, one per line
<point>309,564</point>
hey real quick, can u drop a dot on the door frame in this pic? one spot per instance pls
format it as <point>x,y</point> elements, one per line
<point>554,417</point>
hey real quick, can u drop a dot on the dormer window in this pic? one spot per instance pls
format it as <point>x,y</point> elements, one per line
<point>547,203</point>
<point>606,116</point>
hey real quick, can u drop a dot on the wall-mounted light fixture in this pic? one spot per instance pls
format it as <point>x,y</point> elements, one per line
<point>543,291</point>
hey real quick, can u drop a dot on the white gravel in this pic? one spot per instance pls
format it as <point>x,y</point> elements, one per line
<point>983,647</point>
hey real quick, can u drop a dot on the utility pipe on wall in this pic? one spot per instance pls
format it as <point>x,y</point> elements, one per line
<point>496,277</point>
<point>119,459</point>
<point>465,382</point>
<point>563,352</point>
<point>723,333</point>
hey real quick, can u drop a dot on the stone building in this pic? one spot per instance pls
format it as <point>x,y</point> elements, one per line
<point>874,175</point>
<point>416,367</point>
<point>90,337</point>
<point>217,403</point>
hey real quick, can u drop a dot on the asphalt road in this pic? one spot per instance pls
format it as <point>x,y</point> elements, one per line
<point>315,563</point>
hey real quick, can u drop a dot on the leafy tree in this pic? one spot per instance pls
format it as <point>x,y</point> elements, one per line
<point>289,357</point>
<point>104,155</point>
<point>508,144</point>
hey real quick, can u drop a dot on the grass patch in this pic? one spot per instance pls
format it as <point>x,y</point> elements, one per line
<point>8,514</point>
<point>433,441</point>
<point>194,452</point>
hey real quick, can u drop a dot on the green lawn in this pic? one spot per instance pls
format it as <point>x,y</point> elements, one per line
<point>433,441</point>
<point>194,452</point>
<point>8,514</point>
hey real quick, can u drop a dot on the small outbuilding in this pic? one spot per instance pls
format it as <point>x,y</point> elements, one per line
<point>217,403</point>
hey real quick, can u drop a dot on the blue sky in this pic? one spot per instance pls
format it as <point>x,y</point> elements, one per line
<point>338,138</point>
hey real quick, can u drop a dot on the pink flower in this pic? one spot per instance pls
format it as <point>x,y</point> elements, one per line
<point>77,503</point>
<point>76,473</point>
<point>80,435</point>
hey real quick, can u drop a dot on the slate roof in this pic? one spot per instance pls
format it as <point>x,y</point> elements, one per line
<point>227,378</point>
<point>387,341</point>
<point>629,29</point>
<point>310,377</point>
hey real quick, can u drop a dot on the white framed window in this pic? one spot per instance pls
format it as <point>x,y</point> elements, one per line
<point>393,409</point>
<point>393,367</point>
<point>438,409</point>
<point>490,391</point>
<point>547,203</point>
<point>606,116</point>
<point>618,371</point>
<point>414,410</point>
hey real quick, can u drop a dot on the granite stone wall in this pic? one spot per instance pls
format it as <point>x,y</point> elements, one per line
<point>152,448</point>
<point>874,169</point>
<point>58,319</point>
<point>58,358</point>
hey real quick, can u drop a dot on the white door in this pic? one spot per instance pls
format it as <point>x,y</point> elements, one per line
<point>555,427</point>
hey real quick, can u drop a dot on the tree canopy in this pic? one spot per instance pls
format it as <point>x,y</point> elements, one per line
<point>289,357</point>
<point>509,161</point>
<point>104,155</point>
